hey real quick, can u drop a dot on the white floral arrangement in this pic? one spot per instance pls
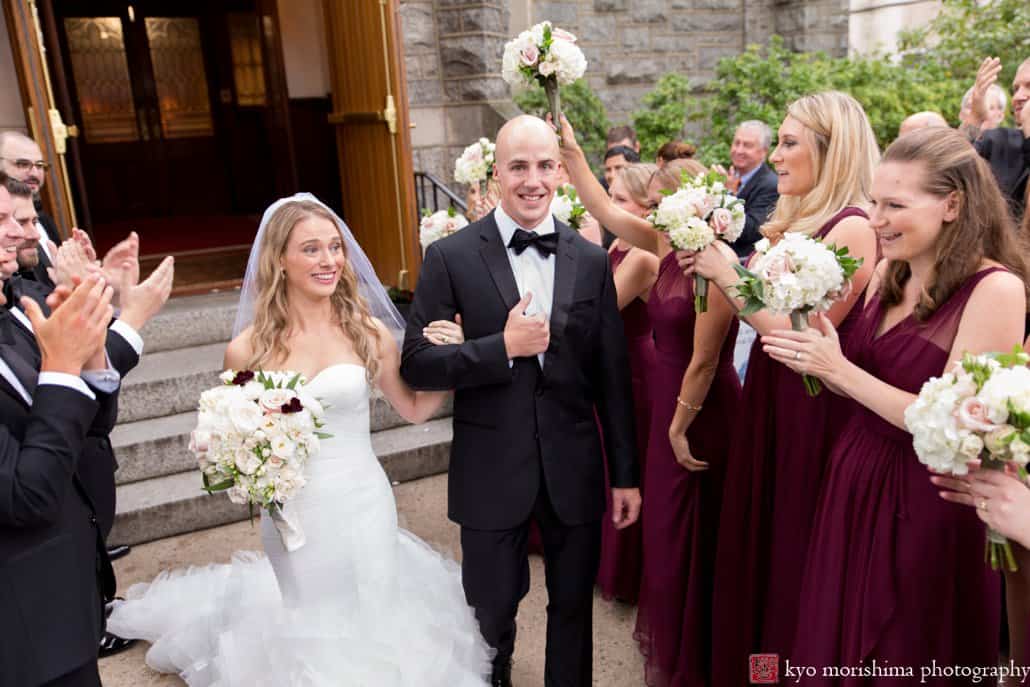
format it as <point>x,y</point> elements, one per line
<point>980,409</point>
<point>700,211</point>
<point>567,207</point>
<point>254,435</point>
<point>797,276</point>
<point>436,225</point>
<point>546,55</point>
<point>474,165</point>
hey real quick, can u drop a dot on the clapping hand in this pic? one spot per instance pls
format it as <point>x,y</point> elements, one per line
<point>443,332</point>
<point>986,76</point>
<point>142,300</point>
<point>76,329</point>
<point>72,264</point>
<point>732,177</point>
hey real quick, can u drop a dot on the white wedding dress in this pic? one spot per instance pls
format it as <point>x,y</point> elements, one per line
<point>361,603</point>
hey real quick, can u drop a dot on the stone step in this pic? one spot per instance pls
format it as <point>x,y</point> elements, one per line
<point>192,321</point>
<point>174,504</point>
<point>169,382</point>
<point>160,446</point>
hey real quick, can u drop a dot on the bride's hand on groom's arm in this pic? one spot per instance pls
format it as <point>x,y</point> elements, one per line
<point>444,332</point>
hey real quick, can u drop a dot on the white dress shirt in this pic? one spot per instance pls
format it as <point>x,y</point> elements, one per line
<point>534,273</point>
<point>44,240</point>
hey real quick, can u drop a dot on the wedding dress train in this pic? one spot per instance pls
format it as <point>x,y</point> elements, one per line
<point>361,603</point>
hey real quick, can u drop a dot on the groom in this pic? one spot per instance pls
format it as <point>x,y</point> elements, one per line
<point>543,349</point>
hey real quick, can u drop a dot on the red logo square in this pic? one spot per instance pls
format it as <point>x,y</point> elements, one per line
<point>765,669</point>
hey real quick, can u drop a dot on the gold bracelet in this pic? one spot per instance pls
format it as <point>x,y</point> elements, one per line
<point>696,409</point>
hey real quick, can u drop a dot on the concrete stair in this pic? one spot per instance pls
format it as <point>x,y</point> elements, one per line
<point>159,491</point>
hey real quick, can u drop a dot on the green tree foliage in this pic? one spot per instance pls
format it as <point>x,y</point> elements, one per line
<point>663,114</point>
<point>966,31</point>
<point>584,109</point>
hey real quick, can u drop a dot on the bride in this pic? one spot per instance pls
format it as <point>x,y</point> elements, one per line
<point>362,602</point>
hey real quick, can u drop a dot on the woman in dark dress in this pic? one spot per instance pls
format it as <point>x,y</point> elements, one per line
<point>694,393</point>
<point>895,574</point>
<point>825,159</point>
<point>634,271</point>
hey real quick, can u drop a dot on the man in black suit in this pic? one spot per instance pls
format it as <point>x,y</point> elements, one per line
<point>22,159</point>
<point>751,180</point>
<point>53,563</point>
<point>1006,150</point>
<point>543,349</point>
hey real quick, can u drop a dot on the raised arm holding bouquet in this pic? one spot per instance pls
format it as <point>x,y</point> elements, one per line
<point>547,55</point>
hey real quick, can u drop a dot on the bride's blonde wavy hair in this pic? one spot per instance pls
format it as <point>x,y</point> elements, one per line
<point>844,154</point>
<point>271,321</point>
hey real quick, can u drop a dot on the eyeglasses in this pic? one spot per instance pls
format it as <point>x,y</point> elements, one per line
<point>23,165</point>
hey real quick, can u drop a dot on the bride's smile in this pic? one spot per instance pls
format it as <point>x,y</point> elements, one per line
<point>314,257</point>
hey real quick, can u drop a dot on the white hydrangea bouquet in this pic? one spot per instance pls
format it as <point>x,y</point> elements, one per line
<point>978,409</point>
<point>795,277</point>
<point>700,211</point>
<point>567,207</point>
<point>436,225</point>
<point>254,435</point>
<point>547,55</point>
<point>475,163</point>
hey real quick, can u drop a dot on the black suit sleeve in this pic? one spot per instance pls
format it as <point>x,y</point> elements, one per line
<point>36,474</point>
<point>757,209</point>
<point>122,355</point>
<point>615,392</point>
<point>476,362</point>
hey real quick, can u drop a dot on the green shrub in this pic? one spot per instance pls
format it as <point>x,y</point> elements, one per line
<point>663,115</point>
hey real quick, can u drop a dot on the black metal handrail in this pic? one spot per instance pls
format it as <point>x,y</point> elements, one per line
<point>432,194</point>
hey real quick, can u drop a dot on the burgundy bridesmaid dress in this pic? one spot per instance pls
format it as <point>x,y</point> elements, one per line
<point>776,464</point>
<point>619,574</point>
<point>681,508</point>
<point>895,573</point>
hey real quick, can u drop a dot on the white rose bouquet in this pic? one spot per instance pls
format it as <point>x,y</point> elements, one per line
<point>978,409</point>
<point>434,226</point>
<point>548,56</point>
<point>795,277</point>
<point>700,211</point>
<point>567,207</point>
<point>254,435</point>
<point>475,163</point>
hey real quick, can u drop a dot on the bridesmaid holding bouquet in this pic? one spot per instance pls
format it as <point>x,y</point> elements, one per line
<point>910,585</point>
<point>824,159</point>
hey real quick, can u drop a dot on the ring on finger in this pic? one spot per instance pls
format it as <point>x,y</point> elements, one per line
<point>982,505</point>
<point>797,355</point>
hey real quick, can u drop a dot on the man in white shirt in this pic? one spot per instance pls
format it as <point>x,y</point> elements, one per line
<point>544,350</point>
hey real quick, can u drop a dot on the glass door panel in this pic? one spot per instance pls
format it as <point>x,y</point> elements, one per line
<point>178,62</point>
<point>100,69</point>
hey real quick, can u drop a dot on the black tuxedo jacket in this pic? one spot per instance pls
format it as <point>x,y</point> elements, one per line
<point>515,425</point>
<point>759,195</point>
<point>54,570</point>
<point>97,470</point>
<point>1008,153</point>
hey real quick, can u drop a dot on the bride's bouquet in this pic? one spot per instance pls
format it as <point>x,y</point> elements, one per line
<point>700,211</point>
<point>548,56</point>
<point>254,435</point>
<point>475,163</point>
<point>795,277</point>
<point>978,409</point>
<point>436,225</point>
<point>567,207</point>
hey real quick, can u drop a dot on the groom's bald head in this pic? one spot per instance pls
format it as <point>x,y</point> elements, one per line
<point>527,161</point>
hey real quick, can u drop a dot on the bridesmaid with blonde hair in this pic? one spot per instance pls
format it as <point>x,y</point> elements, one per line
<point>824,160</point>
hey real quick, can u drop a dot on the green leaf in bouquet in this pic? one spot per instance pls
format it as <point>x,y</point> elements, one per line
<point>451,212</point>
<point>217,486</point>
<point>848,263</point>
<point>979,370</point>
<point>1020,419</point>
<point>323,435</point>
<point>548,37</point>
<point>293,382</point>
<point>1017,357</point>
<point>426,212</point>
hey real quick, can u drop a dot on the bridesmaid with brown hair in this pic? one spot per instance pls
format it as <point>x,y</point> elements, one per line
<point>894,573</point>
<point>825,159</point>
<point>694,392</point>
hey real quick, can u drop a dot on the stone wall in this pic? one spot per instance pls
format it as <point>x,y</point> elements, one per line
<point>453,53</point>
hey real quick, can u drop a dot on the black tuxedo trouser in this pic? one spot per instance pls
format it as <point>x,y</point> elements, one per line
<point>495,574</point>
<point>86,676</point>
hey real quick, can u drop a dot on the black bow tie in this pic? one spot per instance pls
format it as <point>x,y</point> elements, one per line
<point>546,244</point>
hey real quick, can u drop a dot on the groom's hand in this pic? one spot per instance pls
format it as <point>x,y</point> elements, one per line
<point>525,336</point>
<point>625,507</point>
